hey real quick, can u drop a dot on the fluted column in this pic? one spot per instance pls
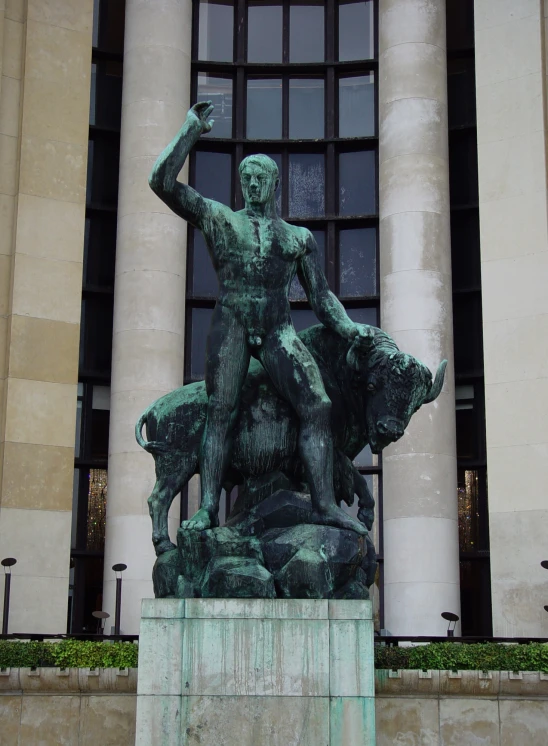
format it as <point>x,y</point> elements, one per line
<point>149,286</point>
<point>421,577</point>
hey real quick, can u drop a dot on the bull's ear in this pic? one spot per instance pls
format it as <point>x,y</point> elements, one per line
<point>437,383</point>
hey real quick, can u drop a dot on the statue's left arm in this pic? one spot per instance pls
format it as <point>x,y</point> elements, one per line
<point>325,304</point>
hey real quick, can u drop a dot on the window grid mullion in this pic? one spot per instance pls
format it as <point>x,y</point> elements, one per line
<point>285,107</point>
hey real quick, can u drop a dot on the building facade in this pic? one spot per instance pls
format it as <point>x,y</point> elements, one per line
<point>410,136</point>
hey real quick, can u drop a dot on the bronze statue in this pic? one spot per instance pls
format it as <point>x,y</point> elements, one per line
<point>256,255</point>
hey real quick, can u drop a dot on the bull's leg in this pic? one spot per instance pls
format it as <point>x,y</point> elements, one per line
<point>159,504</point>
<point>366,502</point>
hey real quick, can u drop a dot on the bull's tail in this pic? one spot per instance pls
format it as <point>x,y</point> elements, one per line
<point>150,446</point>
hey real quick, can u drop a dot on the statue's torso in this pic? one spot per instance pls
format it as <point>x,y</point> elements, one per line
<point>255,259</point>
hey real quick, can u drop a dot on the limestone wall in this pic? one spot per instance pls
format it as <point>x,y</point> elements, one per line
<point>77,707</point>
<point>44,112</point>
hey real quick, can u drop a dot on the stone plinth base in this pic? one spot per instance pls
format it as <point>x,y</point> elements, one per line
<point>264,672</point>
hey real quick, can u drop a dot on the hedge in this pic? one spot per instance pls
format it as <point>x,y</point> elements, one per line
<point>489,656</point>
<point>485,656</point>
<point>68,654</point>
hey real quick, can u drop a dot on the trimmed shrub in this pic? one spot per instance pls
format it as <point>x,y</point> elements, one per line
<point>68,654</point>
<point>485,656</point>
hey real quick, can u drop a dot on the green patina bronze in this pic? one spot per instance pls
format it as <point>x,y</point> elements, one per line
<point>283,415</point>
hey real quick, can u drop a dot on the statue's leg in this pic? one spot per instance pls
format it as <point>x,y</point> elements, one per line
<point>227,361</point>
<point>295,374</point>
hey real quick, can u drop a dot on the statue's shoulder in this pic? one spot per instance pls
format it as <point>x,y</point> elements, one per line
<point>302,235</point>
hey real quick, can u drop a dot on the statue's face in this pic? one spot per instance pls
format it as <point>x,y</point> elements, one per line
<point>258,184</point>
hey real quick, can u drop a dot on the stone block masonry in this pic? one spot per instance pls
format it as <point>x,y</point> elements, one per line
<point>253,672</point>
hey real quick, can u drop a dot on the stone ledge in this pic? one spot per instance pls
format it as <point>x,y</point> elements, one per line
<point>500,684</point>
<point>255,608</point>
<point>68,681</point>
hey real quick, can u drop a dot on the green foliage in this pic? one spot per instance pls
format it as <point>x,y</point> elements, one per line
<point>487,656</point>
<point>68,654</point>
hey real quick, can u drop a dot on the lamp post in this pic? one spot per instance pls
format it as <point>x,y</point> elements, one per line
<point>118,569</point>
<point>101,617</point>
<point>7,564</point>
<point>452,619</point>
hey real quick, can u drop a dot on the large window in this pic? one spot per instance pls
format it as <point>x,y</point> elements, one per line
<point>93,412</point>
<point>467,322</point>
<point>296,81</point>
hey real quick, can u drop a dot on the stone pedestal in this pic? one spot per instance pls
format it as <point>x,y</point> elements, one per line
<point>258,672</point>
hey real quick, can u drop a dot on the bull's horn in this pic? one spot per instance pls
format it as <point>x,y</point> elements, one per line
<point>362,343</point>
<point>437,383</point>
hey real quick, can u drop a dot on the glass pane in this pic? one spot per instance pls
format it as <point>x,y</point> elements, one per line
<point>303,319</point>
<point>204,279</point>
<point>363,315</point>
<point>358,261</point>
<point>264,108</point>
<point>75,495</point>
<point>100,419</point>
<point>366,458</point>
<point>219,92</point>
<point>468,497</point>
<point>356,26</point>
<point>306,108</point>
<point>306,184</point>
<point>264,32</point>
<point>357,183</point>
<point>357,106</point>
<point>100,249</point>
<point>295,291</point>
<point>96,334</point>
<point>97,509</point>
<point>111,25</point>
<point>306,32</point>
<point>105,108</point>
<point>78,435</point>
<point>463,167</point>
<point>213,175</point>
<point>461,92</point>
<point>201,320</point>
<point>95,31</point>
<point>215,40</point>
<point>103,171</point>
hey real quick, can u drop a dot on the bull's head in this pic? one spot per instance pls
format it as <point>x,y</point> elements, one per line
<point>396,384</point>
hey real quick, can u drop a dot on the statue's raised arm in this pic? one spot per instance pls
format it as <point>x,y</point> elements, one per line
<point>182,199</point>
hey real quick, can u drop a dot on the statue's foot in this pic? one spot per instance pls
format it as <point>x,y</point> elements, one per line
<point>335,516</point>
<point>201,521</point>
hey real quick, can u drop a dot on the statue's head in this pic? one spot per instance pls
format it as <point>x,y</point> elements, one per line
<point>259,178</point>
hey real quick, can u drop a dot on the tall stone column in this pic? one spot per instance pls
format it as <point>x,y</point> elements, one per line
<point>421,575</point>
<point>149,287</point>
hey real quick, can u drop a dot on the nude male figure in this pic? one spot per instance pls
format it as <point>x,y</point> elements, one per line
<point>256,254</point>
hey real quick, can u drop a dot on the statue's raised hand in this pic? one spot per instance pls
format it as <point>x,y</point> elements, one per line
<point>200,113</point>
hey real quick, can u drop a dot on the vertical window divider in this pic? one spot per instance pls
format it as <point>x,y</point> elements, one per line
<point>285,31</point>
<point>285,107</point>
<point>240,31</point>
<point>330,30</point>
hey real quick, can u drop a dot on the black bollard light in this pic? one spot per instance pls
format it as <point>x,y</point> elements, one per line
<point>118,569</point>
<point>101,617</point>
<point>452,619</point>
<point>7,564</point>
